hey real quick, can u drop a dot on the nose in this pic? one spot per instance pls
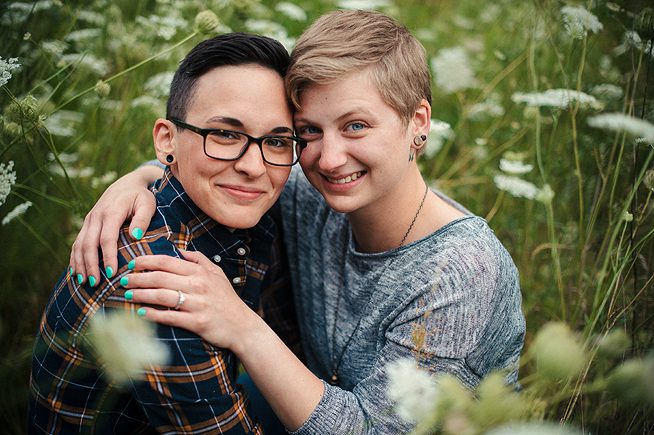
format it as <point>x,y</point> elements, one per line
<point>332,153</point>
<point>251,163</point>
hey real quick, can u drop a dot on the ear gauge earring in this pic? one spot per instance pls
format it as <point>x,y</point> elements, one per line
<point>419,141</point>
<point>170,158</point>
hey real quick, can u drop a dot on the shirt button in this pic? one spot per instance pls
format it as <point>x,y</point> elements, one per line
<point>216,258</point>
<point>241,251</point>
<point>237,280</point>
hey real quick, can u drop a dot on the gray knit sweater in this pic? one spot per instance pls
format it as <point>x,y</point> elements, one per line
<point>458,283</point>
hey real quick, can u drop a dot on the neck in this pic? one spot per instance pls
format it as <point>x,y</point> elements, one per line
<point>382,225</point>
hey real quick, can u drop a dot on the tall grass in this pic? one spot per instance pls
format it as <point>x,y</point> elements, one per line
<point>572,203</point>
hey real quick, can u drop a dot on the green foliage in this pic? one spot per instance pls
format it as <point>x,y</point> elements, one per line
<point>571,202</point>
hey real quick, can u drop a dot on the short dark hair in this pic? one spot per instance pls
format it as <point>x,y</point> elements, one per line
<point>223,50</point>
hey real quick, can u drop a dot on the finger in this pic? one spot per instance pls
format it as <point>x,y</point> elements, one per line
<point>157,296</point>
<point>156,279</point>
<point>77,257</point>
<point>109,243</point>
<point>164,263</point>
<point>89,242</point>
<point>195,257</point>
<point>144,208</point>
<point>178,319</point>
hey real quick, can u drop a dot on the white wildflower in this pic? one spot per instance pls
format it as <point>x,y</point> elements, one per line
<point>19,210</point>
<point>104,180</point>
<point>125,345</point>
<point>55,48</point>
<point>452,70</point>
<point>622,122</point>
<point>149,102</point>
<point>533,429</point>
<point>484,110</point>
<point>292,11</point>
<point>363,4</point>
<point>72,172</point>
<point>6,67</point>
<point>439,132</point>
<point>271,29</point>
<point>515,167</point>
<point>83,35</point>
<point>413,389</point>
<point>164,27</point>
<point>561,98</point>
<point>63,123</point>
<point>578,21</point>
<point>95,18</point>
<point>159,84</point>
<point>516,186</point>
<point>546,194</point>
<point>7,180</point>
<point>87,61</point>
<point>607,91</point>
<point>463,22</point>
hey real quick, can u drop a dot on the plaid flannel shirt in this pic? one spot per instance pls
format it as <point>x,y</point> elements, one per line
<point>195,392</point>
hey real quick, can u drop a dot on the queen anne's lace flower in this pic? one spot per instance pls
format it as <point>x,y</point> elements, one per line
<point>452,70</point>
<point>413,390</point>
<point>17,211</point>
<point>561,98</point>
<point>622,122</point>
<point>578,21</point>
<point>292,11</point>
<point>7,180</point>
<point>6,67</point>
<point>516,186</point>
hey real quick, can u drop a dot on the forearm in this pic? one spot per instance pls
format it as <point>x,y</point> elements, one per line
<point>145,175</point>
<point>290,388</point>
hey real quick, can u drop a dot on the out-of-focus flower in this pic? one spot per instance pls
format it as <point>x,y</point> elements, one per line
<point>63,122</point>
<point>607,91</point>
<point>87,61</point>
<point>104,180</point>
<point>558,352</point>
<point>439,132</point>
<point>102,88</point>
<point>7,180</point>
<point>364,4</point>
<point>546,194</point>
<point>54,47</point>
<point>515,167</point>
<point>6,67</point>
<point>516,186</point>
<point>648,180</point>
<point>497,402</point>
<point>484,110</point>
<point>452,70</point>
<point>613,344</point>
<point>578,21</point>
<point>83,35</point>
<point>25,109</point>
<point>627,217</point>
<point>633,382</point>
<point>292,11</point>
<point>412,388</point>
<point>622,122</point>
<point>273,30</point>
<point>91,17</point>
<point>19,210</point>
<point>206,22</point>
<point>561,98</point>
<point>164,27</point>
<point>125,345</point>
<point>159,84</point>
<point>533,429</point>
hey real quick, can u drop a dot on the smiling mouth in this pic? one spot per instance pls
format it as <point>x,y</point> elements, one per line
<point>350,178</point>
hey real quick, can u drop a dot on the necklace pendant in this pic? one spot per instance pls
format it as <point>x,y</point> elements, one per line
<point>334,379</point>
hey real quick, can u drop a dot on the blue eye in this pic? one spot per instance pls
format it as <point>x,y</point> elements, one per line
<point>308,132</point>
<point>356,127</point>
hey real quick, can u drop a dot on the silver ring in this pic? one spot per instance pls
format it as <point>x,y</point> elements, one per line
<point>181,298</point>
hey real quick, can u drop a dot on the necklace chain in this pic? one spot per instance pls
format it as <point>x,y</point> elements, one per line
<point>334,379</point>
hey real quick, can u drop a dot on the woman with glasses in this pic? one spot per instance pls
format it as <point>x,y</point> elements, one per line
<point>383,268</point>
<point>219,182</point>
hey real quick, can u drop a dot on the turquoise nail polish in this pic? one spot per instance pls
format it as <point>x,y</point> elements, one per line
<point>109,271</point>
<point>92,280</point>
<point>137,233</point>
<point>71,271</point>
<point>131,265</point>
<point>80,278</point>
<point>140,312</point>
<point>129,295</point>
<point>124,281</point>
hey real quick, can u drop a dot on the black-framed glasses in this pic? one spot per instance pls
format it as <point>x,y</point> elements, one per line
<point>221,144</point>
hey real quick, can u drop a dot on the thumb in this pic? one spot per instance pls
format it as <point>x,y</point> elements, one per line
<point>144,207</point>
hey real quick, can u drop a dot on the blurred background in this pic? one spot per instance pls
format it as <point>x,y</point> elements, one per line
<point>542,124</point>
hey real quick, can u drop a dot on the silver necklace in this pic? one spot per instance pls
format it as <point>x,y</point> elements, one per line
<point>336,362</point>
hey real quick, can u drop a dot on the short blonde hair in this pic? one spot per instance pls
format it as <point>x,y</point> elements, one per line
<point>343,42</point>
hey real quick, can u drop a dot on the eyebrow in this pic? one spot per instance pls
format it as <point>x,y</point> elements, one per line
<point>236,123</point>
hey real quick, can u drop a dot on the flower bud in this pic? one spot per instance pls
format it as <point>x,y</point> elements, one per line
<point>631,382</point>
<point>206,22</point>
<point>26,109</point>
<point>614,344</point>
<point>102,88</point>
<point>558,353</point>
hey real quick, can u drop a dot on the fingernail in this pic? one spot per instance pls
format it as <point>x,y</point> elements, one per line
<point>140,312</point>
<point>137,233</point>
<point>131,264</point>
<point>71,271</point>
<point>92,280</point>
<point>80,278</point>
<point>109,271</point>
<point>124,281</point>
<point>129,295</point>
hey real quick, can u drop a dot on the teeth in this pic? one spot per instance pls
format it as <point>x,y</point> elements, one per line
<point>347,179</point>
